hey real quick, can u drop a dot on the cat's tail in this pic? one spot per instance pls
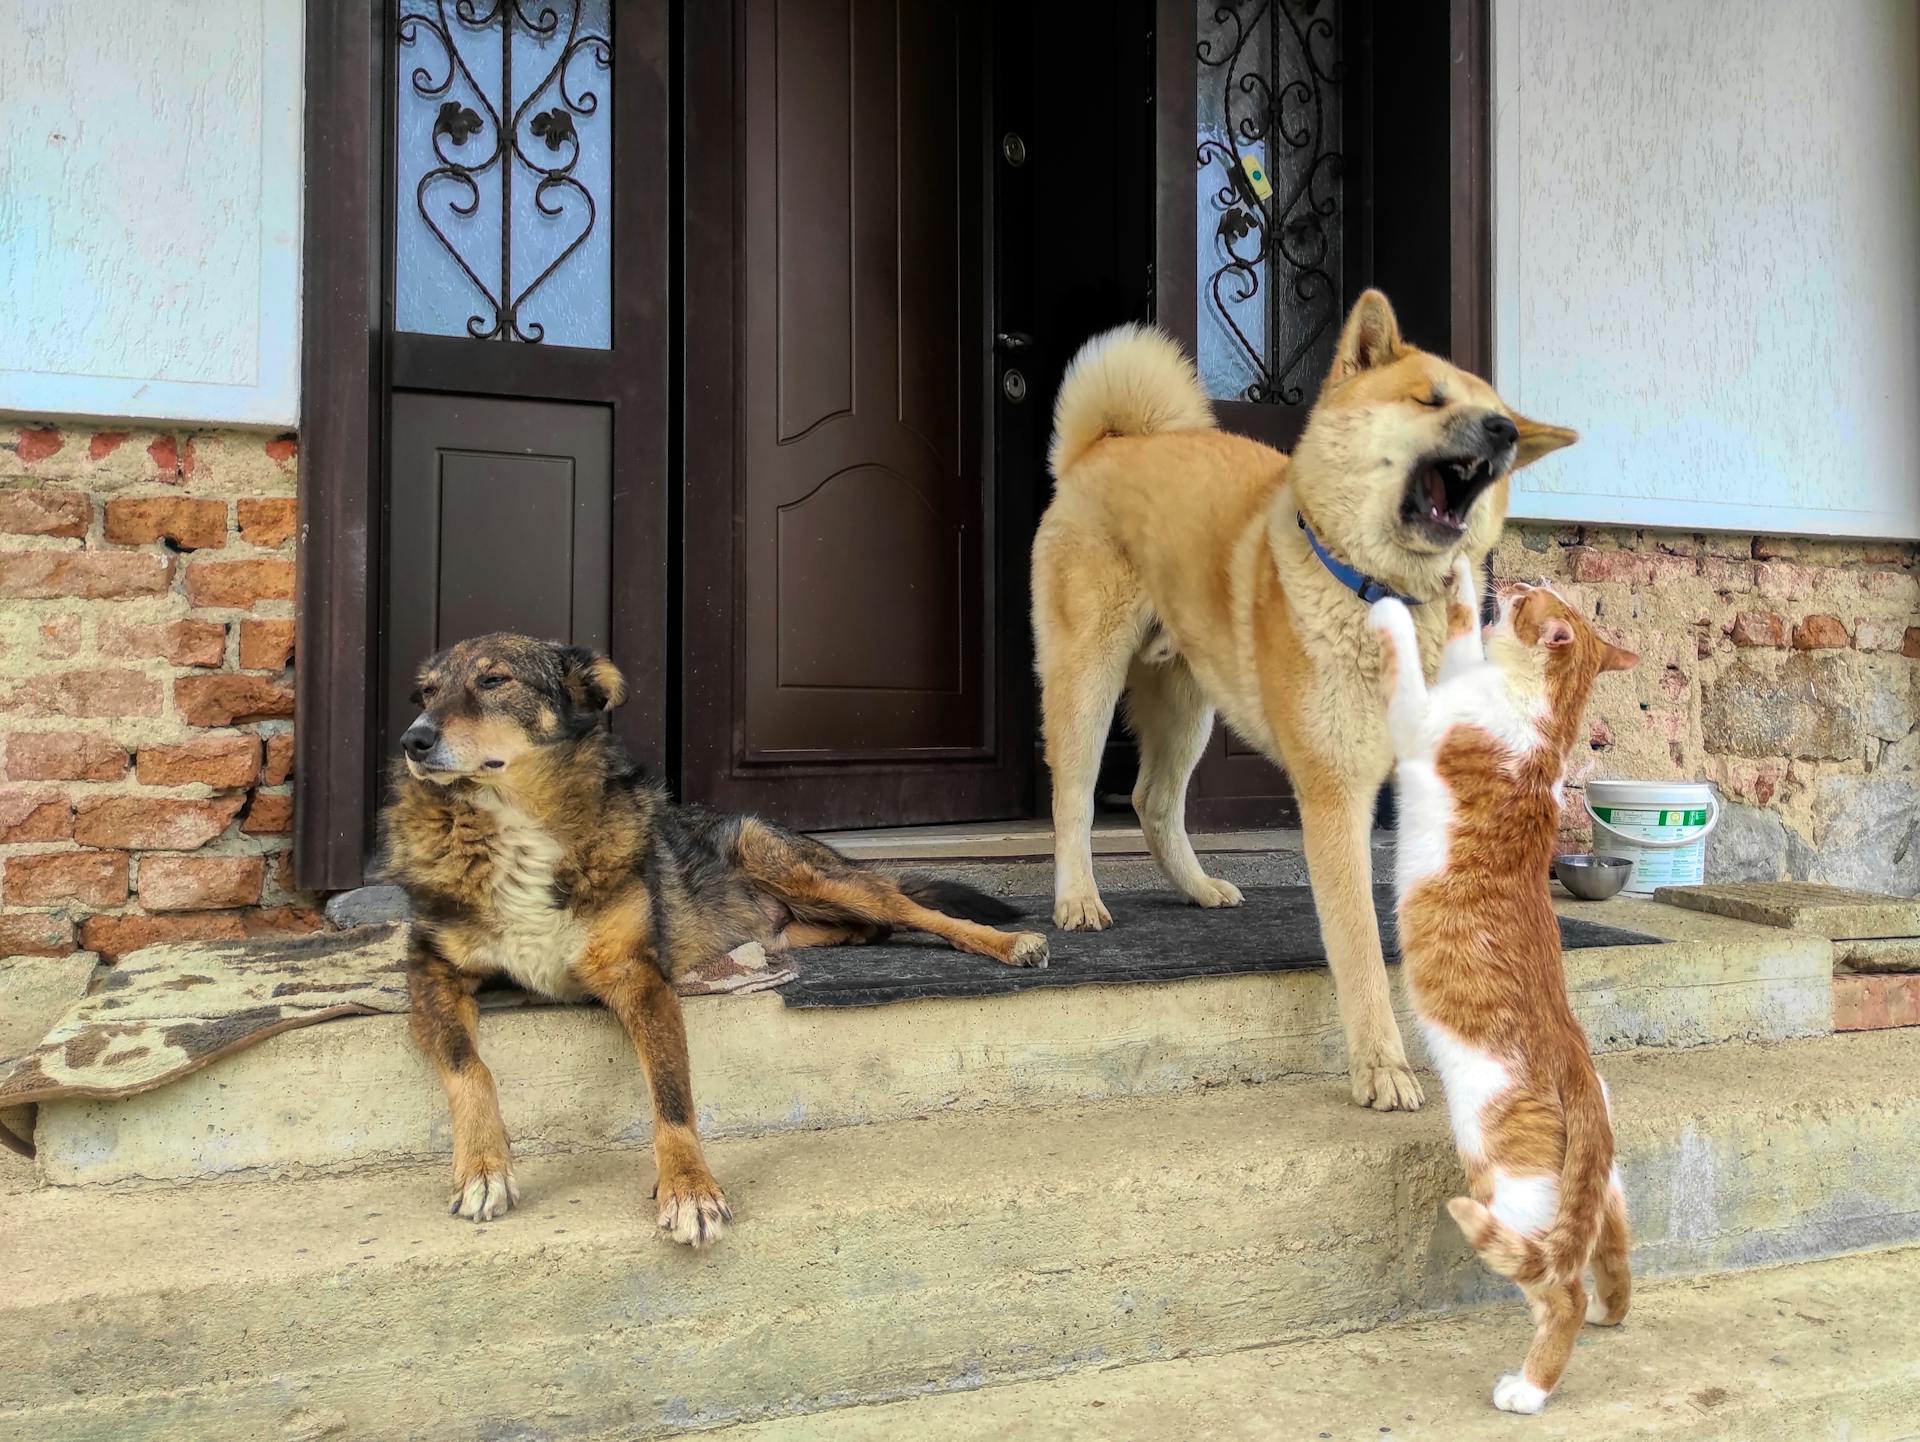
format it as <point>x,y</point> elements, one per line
<point>1559,1254</point>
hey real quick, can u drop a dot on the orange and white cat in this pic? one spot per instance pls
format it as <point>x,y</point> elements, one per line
<point>1481,766</point>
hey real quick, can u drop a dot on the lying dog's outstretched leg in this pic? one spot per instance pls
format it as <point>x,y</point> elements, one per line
<point>825,890</point>
<point>1171,719</point>
<point>1336,821</point>
<point>445,1021</point>
<point>620,965</point>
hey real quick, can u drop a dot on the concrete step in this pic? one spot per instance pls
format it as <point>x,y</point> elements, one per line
<point>874,1263</point>
<point>1781,1354</point>
<point>351,1092</point>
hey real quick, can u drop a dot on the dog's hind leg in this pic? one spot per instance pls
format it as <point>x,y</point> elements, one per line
<point>829,896</point>
<point>445,1022</point>
<point>1088,622</point>
<point>619,966</point>
<point>1170,718</point>
<point>1336,820</point>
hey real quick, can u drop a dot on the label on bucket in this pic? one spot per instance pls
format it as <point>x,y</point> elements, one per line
<point>1623,816</point>
<point>1652,869</point>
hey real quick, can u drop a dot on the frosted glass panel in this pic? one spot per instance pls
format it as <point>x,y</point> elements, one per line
<point>504,166</point>
<point>1269,197</point>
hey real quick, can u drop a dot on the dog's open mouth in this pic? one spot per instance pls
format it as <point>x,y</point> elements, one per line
<point>1442,491</point>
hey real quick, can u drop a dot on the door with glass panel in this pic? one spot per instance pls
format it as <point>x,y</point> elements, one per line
<point>525,419</point>
<point>1308,149</point>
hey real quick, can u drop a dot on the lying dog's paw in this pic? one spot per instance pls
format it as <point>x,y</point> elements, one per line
<point>1215,892</point>
<point>693,1209</point>
<point>1029,949</point>
<point>1514,1393</point>
<point>1081,913</point>
<point>1387,1088</point>
<point>488,1193</point>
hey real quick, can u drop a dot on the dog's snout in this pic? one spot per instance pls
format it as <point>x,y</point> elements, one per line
<point>420,738</point>
<point>1500,431</point>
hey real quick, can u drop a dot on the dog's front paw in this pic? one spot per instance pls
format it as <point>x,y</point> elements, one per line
<point>1386,1087</point>
<point>1214,892</point>
<point>487,1191</point>
<point>1081,913</point>
<point>1514,1393</point>
<point>693,1209</point>
<point>1029,949</point>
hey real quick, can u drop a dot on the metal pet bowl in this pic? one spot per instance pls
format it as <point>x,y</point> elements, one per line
<point>1592,878</point>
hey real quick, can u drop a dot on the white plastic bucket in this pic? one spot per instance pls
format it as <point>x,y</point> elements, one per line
<point>1660,826</point>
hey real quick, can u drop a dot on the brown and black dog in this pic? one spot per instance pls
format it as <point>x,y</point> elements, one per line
<point>530,844</point>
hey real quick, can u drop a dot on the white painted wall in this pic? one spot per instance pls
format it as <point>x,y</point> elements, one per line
<point>1707,259</point>
<point>150,209</point>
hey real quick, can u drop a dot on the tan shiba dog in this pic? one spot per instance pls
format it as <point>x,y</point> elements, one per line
<point>1175,565</point>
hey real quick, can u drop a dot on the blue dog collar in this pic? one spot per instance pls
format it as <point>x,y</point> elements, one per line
<point>1363,586</point>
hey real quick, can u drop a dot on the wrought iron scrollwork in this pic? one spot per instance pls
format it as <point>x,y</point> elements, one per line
<point>1276,65</point>
<point>518,137</point>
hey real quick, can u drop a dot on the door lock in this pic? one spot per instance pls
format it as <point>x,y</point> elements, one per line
<point>1014,385</point>
<point>1014,148</point>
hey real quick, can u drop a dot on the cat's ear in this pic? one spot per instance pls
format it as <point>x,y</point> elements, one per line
<point>1556,633</point>
<point>1616,659</point>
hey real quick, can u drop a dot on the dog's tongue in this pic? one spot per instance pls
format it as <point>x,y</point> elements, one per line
<point>1437,495</point>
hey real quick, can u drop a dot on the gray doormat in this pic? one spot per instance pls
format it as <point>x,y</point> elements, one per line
<point>1156,937</point>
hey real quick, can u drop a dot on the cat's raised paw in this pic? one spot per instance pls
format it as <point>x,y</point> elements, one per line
<point>1387,1088</point>
<point>1514,1393</point>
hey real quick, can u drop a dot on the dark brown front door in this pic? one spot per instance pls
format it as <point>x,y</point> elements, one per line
<point>846,653</point>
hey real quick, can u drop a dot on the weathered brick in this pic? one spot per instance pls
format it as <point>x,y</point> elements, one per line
<point>267,520</point>
<point>45,513</point>
<point>200,883</point>
<point>231,700</point>
<point>83,575</point>
<point>279,763</point>
<point>1786,580</point>
<point>36,443</point>
<point>1873,1003</point>
<point>164,452</point>
<point>27,815</point>
<point>59,637</point>
<point>104,444</point>
<point>192,525</point>
<point>1807,709</point>
<point>153,823</point>
<point>282,921</point>
<point>224,761</point>
<point>114,936</point>
<point>88,878</point>
<point>184,643</point>
<point>266,645</point>
<point>1910,644</point>
<point>1760,628</point>
<point>1873,634</point>
<point>1591,565</point>
<point>112,692</point>
<point>282,449</point>
<point>1821,633</point>
<point>35,933</point>
<point>239,584</point>
<point>65,756</point>
<point>270,815</point>
<point>1728,577</point>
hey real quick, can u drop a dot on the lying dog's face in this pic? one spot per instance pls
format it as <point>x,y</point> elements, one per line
<point>1406,458</point>
<point>489,702</point>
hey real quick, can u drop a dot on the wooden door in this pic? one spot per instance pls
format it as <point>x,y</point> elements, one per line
<point>844,660</point>
<point>484,438</point>
<point>1276,209</point>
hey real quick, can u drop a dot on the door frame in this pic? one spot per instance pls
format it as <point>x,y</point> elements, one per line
<point>347,345</point>
<point>712,454</point>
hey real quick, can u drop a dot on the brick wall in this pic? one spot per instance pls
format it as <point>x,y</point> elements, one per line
<point>1785,671</point>
<point>146,687</point>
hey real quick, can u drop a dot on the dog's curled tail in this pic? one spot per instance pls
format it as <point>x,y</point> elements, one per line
<point>1133,380</point>
<point>956,898</point>
<point>1559,1254</point>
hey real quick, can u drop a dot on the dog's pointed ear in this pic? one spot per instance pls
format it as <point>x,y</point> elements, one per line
<point>593,681</point>
<point>1538,439</point>
<point>1371,338</point>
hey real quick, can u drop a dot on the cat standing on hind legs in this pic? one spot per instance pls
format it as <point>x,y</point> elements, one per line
<point>1481,761</point>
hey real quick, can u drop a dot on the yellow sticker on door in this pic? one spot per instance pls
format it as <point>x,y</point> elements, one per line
<point>1257,177</point>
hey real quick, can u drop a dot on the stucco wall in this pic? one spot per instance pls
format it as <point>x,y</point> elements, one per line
<point>1708,259</point>
<point>150,209</point>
